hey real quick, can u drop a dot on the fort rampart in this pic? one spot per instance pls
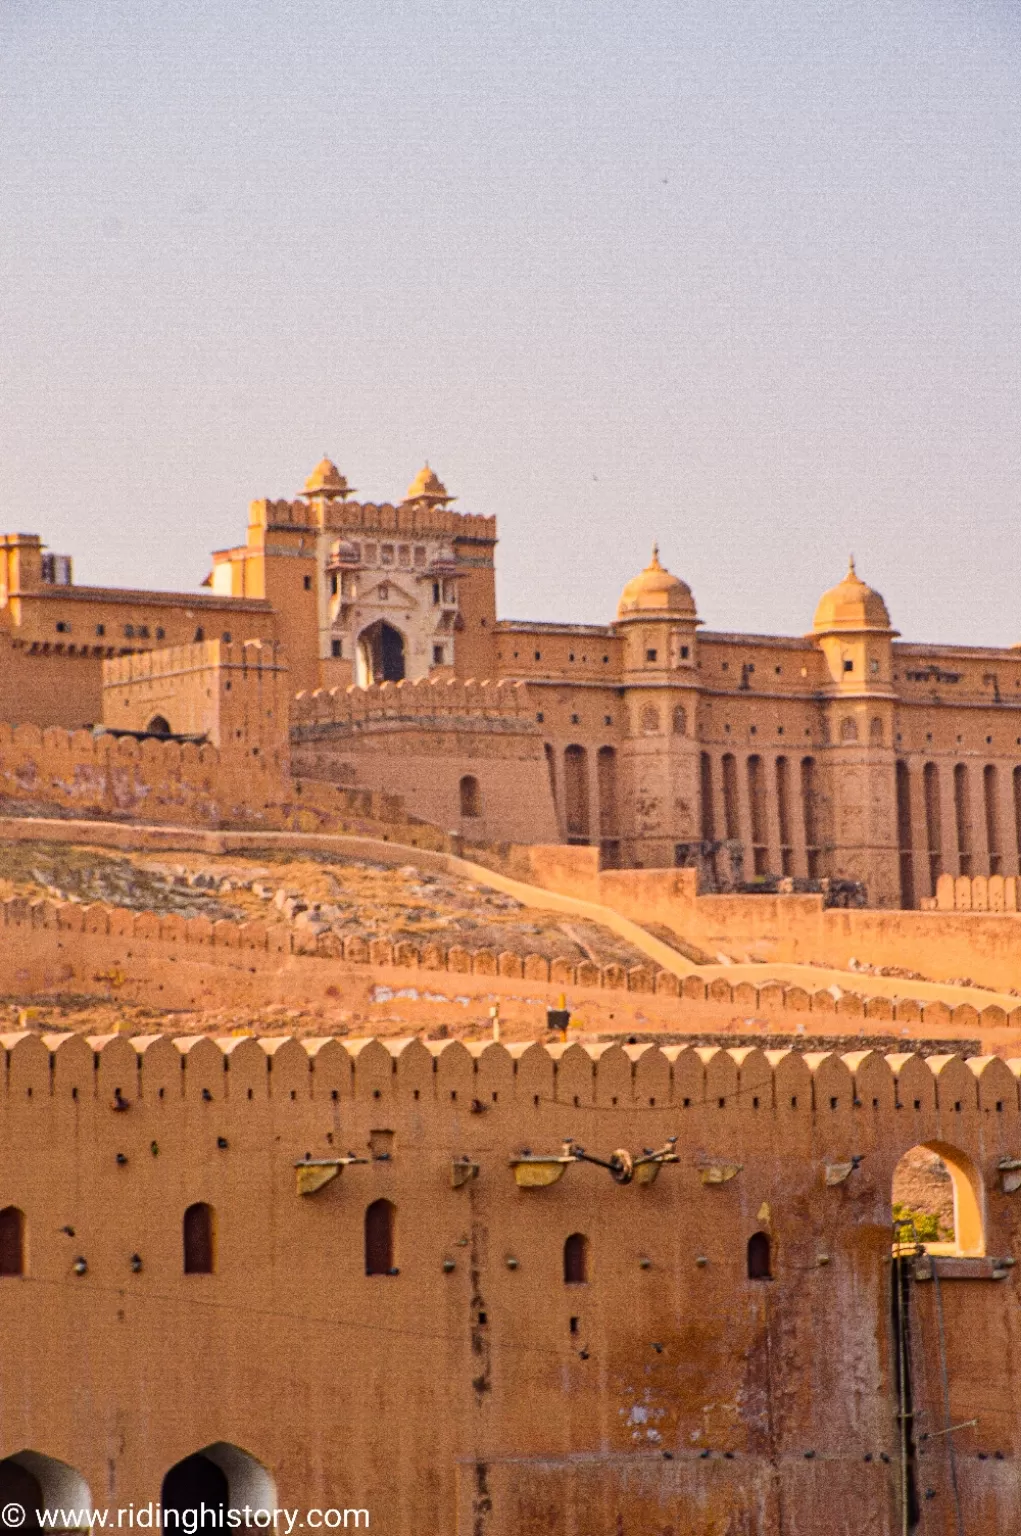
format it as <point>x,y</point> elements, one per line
<point>76,773</point>
<point>655,1383</point>
<point>410,517</point>
<point>472,703</point>
<point>190,963</point>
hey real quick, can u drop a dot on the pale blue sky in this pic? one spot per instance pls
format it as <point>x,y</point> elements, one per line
<point>740,276</point>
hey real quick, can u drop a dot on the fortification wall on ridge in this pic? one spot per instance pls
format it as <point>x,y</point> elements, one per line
<point>939,945</point>
<point>173,962</point>
<point>434,1394</point>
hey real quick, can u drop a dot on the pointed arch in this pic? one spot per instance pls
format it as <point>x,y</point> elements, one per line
<point>199,1235</point>
<point>759,1257</point>
<point>43,1485</point>
<point>12,1241</point>
<point>576,1259</point>
<point>219,1477</point>
<point>380,1237</point>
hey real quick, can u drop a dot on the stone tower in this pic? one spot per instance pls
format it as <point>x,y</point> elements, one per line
<point>658,623</point>
<point>852,629</point>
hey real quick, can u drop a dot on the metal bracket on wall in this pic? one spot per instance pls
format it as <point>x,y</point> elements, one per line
<point>314,1173</point>
<point>461,1170</point>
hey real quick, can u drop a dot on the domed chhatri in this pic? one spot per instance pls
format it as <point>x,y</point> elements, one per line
<point>851,605</point>
<point>427,486</point>
<point>327,481</point>
<point>656,590</point>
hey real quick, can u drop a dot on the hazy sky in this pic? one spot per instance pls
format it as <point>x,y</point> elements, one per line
<point>740,276</point>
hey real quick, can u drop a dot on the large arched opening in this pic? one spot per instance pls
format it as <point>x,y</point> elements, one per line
<point>159,725</point>
<point>938,1201</point>
<point>41,1485</point>
<point>381,654</point>
<point>219,1477</point>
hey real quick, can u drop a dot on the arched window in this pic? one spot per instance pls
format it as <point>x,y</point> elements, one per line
<point>708,809</point>
<point>606,778</point>
<point>680,720</point>
<point>41,1484</point>
<point>810,816</point>
<point>650,720</point>
<point>199,1239</point>
<point>576,1259</point>
<point>904,836</point>
<point>12,1241</point>
<point>471,799</point>
<point>933,823</point>
<point>759,1257</point>
<point>962,817</point>
<point>576,793</point>
<point>731,823</point>
<point>757,809</point>
<point>848,729</point>
<point>159,725</point>
<point>876,731</point>
<point>937,1200</point>
<point>991,798</point>
<point>783,815</point>
<point>380,1222</point>
<point>217,1478</point>
<point>200,635</point>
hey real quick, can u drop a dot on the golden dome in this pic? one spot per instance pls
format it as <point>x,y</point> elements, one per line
<point>427,486</point>
<point>656,589</point>
<point>851,605</point>
<point>326,480</point>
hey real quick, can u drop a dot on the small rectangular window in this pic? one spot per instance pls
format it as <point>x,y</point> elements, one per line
<point>100,629</point>
<point>63,627</point>
<point>308,583</point>
<point>684,653</point>
<point>386,554</point>
<point>337,648</point>
<point>848,666</point>
<point>437,655</point>
<point>650,655</point>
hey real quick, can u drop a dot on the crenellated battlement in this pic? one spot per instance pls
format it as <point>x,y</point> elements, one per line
<point>691,997</point>
<point>371,517</point>
<point>863,1088</point>
<point>172,660</point>
<point>423,701</point>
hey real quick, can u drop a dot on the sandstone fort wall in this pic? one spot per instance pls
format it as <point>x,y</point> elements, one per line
<point>663,1390</point>
<point>52,947</point>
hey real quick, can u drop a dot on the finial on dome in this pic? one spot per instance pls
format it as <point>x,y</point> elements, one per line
<point>654,564</point>
<point>850,566</point>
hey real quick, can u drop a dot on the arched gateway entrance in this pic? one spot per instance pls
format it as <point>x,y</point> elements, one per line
<point>381,656</point>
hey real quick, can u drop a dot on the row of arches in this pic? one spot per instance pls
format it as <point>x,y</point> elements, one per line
<point>965,821</point>
<point>209,1482</point>
<point>735,797</point>
<point>571,787</point>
